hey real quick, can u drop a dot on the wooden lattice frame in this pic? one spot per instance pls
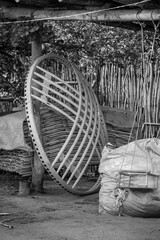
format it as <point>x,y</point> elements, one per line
<point>64,94</point>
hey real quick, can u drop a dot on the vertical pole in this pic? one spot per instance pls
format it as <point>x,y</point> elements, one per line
<point>37,167</point>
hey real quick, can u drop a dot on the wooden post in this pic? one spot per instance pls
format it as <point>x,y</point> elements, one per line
<point>24,187</point>
<point>37,167</point>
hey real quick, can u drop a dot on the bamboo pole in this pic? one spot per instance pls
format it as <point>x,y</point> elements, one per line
<point>127,15</point>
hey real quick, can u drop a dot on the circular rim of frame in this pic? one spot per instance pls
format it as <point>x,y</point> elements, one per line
<point>33,129</point>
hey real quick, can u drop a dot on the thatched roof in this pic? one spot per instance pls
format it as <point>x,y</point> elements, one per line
<point>111,12</point>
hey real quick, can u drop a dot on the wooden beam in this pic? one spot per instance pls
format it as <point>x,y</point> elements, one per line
<point>108,16</point>
<point>98,15</point>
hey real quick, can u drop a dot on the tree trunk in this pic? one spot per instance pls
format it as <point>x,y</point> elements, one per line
<point>37,167</point>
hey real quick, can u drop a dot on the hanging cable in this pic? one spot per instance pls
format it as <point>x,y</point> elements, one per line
<point>155,33</point>
<point>151,127</point>
<point>145,100</point>
<point>144,73</point>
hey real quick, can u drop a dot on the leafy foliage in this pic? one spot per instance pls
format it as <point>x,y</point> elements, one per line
<point>89,45</point>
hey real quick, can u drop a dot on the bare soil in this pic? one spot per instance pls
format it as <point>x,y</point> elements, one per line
<point>59,215</point>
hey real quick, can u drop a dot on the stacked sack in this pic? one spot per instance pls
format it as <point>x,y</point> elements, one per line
<point>136,199</point>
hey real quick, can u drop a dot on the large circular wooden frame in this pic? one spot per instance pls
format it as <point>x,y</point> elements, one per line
<point>73,131</point>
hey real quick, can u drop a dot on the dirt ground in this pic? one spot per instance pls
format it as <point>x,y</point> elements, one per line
<point>59,215</point>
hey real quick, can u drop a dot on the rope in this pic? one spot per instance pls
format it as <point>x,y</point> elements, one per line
<point>120,196</point>
<point>133,124</point>
<point>154,37</point>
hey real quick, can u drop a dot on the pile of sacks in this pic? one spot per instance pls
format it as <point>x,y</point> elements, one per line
<point>138,199</point>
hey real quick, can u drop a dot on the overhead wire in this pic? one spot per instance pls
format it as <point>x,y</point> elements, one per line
<point>155,33</point>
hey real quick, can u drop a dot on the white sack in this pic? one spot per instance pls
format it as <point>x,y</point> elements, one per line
<point>140,155</point>
<point>11,132</point>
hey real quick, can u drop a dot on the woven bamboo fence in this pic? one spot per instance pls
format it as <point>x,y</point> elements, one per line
<point>130,88</point>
